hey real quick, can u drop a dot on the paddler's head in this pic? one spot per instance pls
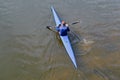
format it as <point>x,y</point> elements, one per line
<point>63,23</point>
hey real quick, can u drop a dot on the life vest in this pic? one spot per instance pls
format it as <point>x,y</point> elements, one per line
<point>63,30</point>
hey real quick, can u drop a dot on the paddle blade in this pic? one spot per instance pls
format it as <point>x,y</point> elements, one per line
<point>48,27</point>
<point>75,22</point>
<point>51,28</point>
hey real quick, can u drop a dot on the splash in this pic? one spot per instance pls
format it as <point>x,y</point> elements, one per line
<point>85,46</point>
<point>87,42</point>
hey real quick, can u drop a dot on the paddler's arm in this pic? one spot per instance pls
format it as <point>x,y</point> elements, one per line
<point>68,29</point>
<point>58,27</point>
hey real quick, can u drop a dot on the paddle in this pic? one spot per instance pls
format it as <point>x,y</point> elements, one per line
<point>75,22</point>
<point>50,28</point>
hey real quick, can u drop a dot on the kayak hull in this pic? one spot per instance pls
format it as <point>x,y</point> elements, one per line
<point>65,39</point>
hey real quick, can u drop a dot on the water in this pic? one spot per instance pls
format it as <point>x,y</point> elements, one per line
<point>28,51</point>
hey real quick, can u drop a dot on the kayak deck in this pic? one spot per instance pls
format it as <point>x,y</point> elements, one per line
<point>65,39</point>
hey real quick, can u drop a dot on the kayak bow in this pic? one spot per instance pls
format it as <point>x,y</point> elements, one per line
<point>65,39</point>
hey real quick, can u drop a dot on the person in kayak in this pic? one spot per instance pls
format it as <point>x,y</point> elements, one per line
<point>63,28</point>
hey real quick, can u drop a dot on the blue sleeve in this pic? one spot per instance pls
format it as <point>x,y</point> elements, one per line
<point>68,29</point>
<point>57,28</point>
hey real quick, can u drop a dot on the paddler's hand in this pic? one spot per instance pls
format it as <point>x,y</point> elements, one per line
<point>66,25</point>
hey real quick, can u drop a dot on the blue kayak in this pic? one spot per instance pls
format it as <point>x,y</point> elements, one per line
<point>65,39</point>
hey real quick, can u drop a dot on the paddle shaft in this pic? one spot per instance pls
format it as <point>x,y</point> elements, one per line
<point>50,28</point>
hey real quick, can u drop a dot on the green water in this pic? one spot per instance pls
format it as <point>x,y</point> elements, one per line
<point>28,51</point>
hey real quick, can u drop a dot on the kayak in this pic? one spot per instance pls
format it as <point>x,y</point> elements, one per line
<point>65,39</point>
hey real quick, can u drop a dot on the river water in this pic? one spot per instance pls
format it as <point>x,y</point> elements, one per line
<point>29,51</point>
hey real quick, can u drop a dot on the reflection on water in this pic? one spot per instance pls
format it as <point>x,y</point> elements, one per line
<point>29,51</point>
